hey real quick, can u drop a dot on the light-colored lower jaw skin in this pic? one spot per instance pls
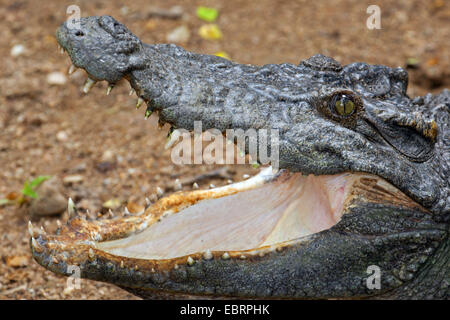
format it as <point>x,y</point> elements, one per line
<point>263,212</point>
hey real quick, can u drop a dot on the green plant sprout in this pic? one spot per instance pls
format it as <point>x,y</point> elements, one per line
<point>28,191</point>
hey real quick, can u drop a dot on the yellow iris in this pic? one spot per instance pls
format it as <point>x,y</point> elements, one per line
<point>344,108</point>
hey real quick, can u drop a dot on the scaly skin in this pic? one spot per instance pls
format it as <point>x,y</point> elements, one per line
<point>404,141</point>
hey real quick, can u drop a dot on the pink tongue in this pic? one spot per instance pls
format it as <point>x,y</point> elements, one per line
<point>277,211</point>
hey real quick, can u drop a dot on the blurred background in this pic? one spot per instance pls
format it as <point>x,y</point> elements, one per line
<point>56,142</point>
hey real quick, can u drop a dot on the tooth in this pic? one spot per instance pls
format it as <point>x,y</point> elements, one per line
<point>177,185</point>
<point>147,202</point>
<point>61,50</point>
<point>208,255</point>
<point>43,230</point>
<point>190,261</point>
<point>172,138</point>
<point>72,69</point>
<point>226,256</point>
<point>71,210</point>
<point>58,223</point>
<point>36,245</point>
<point>159,192</point>
<point>139,102</point>
<point>31,229</point>
<point>55,260</point>
<point>59,47</point>
<point>91,254</point>
<point>110,213</point>
<point>131,91</point>
<point>148,113</point>
<point>229,181</point>
<point>122,264</point>
<point>195,185</point>
<point>212,186</point>
<point>88,85</point>
<point>108,90</point>
<point>245,176</point>
<point>126,212</point>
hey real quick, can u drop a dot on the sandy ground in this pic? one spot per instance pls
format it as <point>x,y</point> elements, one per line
<point>52,128</point>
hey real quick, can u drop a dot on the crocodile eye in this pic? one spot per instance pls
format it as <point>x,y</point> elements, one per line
<point>342,104</point>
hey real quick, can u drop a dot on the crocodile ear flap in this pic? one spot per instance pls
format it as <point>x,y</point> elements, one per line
<point>406,140</point>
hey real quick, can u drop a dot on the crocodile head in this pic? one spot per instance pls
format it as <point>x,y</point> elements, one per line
<point>359,208</point>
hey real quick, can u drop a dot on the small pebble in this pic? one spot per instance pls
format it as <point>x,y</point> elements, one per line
<point>62,136</point>
<point>56,78</point>
<point>17,50</point>
<point>17,261</point>
<point>108,156</point>
<point>50,200</point>
<point>124,10</point>
<point>73,179</point>
<point>179,35</point>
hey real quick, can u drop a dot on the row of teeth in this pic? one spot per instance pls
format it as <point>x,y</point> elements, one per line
<point>207,255</point>
<point>172,136</point>
<point>90,83</point>
<point>73,212</point>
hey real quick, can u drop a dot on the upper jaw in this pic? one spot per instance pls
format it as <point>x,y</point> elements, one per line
<point>418,180</point>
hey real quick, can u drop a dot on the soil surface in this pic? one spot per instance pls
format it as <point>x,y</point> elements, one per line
<point>100,148</point>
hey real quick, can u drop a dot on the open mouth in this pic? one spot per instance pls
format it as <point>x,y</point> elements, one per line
<point>262,211</point>
<point>262,214</point>
<point>265,211</point>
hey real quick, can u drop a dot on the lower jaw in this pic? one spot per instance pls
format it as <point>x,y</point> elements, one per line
<point>251,218</point>
<point>159,250</point>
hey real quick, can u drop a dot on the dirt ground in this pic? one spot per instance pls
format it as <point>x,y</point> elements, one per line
<point>49,127</point>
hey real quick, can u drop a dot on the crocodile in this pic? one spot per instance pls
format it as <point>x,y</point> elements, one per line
<point>359,208</point>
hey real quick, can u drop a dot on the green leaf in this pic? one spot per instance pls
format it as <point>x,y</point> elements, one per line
<point>4,202</point>
<point>28,191</point>
<point>38,180</point>
<point>207,14</point>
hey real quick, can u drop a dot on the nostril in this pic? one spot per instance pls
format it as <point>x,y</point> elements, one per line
<point>79,33</point>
